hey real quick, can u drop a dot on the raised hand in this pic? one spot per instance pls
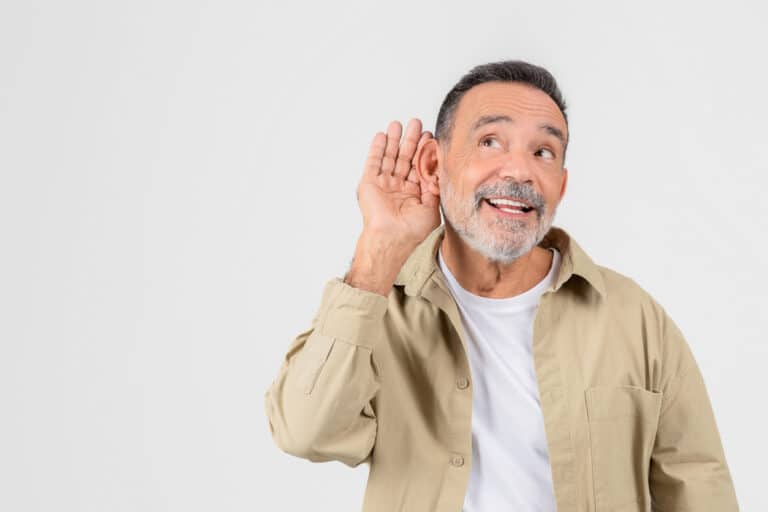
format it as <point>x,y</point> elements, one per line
<point>392,201</point>
<point>398,208</point>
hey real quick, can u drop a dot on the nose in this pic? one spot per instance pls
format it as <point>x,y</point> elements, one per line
<point>515,165</point>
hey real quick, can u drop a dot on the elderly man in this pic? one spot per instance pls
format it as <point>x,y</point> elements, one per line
<point>487,363</point>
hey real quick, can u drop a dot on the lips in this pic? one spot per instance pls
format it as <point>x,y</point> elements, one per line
<point>509,198</point>
<point>508,204</point>
<point>518,213</point>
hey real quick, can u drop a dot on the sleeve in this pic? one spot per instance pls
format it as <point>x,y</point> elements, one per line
<point>688,470</point>
<point>319,406</point>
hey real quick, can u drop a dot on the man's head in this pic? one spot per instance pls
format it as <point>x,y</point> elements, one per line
<point>501,132</point>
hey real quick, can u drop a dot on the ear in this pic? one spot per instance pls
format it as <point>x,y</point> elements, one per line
<point>427,159</point>
<point>563,186</point>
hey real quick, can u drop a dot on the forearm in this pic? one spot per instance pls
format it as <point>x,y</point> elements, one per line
<point>376,263</point>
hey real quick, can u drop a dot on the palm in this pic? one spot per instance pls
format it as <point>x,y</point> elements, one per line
<point>390,195</point>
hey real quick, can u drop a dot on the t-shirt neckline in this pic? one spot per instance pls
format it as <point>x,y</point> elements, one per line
<point>527,299</point>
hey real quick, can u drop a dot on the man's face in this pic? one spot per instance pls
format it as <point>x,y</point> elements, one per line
<point>507,142</point>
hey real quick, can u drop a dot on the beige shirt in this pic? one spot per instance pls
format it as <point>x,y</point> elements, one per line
<point>386,381</point>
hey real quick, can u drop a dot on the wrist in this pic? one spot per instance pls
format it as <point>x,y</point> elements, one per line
<point>376,263</point>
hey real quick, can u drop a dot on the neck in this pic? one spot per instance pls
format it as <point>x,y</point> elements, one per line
<point>489,278</point>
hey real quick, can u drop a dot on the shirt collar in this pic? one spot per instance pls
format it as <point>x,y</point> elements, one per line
<point>422,263</point>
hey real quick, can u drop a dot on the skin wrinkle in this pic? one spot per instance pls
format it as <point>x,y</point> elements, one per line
<point>500,118</point>
<point>518,104</point>
<point>534,109</point>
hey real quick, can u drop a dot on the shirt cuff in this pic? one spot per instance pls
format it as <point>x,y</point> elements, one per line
<point>351,314</point>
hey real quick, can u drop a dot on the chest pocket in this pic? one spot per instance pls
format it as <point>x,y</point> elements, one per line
<point>622,429</point>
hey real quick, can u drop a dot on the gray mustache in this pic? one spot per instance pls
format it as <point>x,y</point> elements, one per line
<point>527,193</point>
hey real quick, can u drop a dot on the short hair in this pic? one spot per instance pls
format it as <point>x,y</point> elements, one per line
<point>502,71</point>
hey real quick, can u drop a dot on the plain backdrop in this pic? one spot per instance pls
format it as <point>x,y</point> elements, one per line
<point>178,183</point>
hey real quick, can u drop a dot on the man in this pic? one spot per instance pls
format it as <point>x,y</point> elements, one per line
<point>487,363</point>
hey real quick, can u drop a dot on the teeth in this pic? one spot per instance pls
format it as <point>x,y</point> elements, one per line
<point>511,210</point>
<point>507,202</point>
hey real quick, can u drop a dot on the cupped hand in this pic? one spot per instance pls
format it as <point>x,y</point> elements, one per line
<point>394,200</point>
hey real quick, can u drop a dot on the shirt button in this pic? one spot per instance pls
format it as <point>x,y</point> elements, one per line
<point>462,383</point>
<point>457,461</point>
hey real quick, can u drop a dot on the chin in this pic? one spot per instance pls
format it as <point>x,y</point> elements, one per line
<point>496,248</point>
<point>500,242</point>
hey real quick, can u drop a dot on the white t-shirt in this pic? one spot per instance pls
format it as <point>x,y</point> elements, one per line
<point>510,461</point>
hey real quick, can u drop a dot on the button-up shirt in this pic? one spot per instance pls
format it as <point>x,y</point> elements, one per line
<point>386,381</point>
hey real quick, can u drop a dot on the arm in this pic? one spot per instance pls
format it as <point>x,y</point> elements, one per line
<point>688,470</point>
<point>319,405</point>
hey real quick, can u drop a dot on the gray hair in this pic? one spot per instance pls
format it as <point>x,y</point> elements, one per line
<point>502,71</point>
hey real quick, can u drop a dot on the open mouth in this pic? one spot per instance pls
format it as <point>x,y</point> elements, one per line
<point>508,206</point>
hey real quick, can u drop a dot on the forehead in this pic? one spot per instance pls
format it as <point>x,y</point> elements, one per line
<point>517,100</point>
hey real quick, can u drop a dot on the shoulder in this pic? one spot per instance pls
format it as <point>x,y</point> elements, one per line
<point>627,299</point>
<point>623,290</point>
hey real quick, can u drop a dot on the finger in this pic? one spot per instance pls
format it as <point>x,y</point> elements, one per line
<point>413,175</point>
<point>407,148</point>
<point>394,131</point>
<point>375,154</point>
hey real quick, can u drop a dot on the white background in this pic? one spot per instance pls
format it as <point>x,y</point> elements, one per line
<point>178,182</point>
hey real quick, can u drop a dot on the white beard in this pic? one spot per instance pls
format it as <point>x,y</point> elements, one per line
<point>503,241</point>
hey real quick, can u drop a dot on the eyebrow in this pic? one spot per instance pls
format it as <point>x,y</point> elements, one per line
<point>500,118</point>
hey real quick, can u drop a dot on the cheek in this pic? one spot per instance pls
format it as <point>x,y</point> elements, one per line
<point>465,188</point>
<point>470,170</point>
<point>467,165</point>
<point>460,155</point>
<point>552,188</point>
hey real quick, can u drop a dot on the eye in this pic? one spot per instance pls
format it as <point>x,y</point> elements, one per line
<point>546,153</point>
<point>487,142</point>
